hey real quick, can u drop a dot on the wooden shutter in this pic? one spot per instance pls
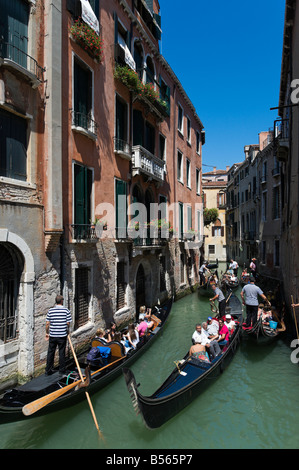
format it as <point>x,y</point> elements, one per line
<point>82,194</point>
<point>13,146</point>
<point>15,31</point>
<point>121,285</point>
<point>121,122</point>
<point>189,213</point>
<point>82,95</point>
<point>138,128</point>
<point>121,208</point>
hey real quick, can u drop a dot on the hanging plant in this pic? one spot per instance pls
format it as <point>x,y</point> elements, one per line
<point>88,39</point>
<point>131,79</point>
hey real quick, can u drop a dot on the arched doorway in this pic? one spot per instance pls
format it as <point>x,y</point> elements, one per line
<point>10,273</point>
<point>140,289</point>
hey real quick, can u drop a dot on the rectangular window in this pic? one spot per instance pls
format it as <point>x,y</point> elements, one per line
<point>188,173</point>
<point>211,249</point>
<point>121,285</point>
<point>181,220</point>
<point>188,131</point>
<point>189,217</point>
<point>276,203</point>
<point>82,96</point>
<point>83,182</point>
<point>197,181</point>
<point>198,142</point>
<point>81,296</point>
<point>180,119</point>
<point>264,206</point>
<point>121,125</point>
<point>121,209</point>
<point>165,94</point>
<point>180,166</point>
<point>150,138</point>
<point>14,30</point>
<point>13,146</point>
<point>162,147</point>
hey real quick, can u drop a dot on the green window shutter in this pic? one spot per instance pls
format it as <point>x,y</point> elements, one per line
<point>95,5</point>
<point>181,220</point>
<point>13,146</point>
<point>82,196</point>
<point>150,4</point>
<point>15,31</point>
<point>121,208</point>
<point>189,213</point>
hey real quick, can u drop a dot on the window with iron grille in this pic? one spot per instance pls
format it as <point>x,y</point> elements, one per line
<point>81,296</point>
<point>9,288</point>
<point>121,285</point>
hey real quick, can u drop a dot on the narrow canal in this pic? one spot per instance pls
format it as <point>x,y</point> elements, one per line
<point>253,404</point>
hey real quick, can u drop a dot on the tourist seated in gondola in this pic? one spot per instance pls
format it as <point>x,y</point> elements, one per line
<point>199,336</point>
<point>100,334</point>
<point>131,338</point>
<point>110,332</point>
<point>212,327</point>
<point>223,337</point>
<point>198,351</point>
<point>230,324</point>
<point>148,319</point>
<point>142,328</point>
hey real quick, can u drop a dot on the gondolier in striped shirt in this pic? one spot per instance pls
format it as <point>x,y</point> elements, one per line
<point>57,326</point>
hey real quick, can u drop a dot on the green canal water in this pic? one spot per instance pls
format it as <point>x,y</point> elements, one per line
<point>252,405</point>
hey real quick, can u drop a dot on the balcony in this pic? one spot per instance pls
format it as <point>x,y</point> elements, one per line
<point>84,124</point>
<point>281,129</point>
<point>122,148</point>
<point>85,233</point>
<point>18,60</point>
<point>144,162</point>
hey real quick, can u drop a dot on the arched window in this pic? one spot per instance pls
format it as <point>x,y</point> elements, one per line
<point>10,272</point>
<point>138,57</point>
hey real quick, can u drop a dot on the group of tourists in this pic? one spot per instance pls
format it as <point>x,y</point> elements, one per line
<point>58,321</point>
<point>210,336</point>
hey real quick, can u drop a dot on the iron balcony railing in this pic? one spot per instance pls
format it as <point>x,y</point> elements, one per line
<point>84,232</point>
<point>13,53</point>
<point>122,147</point>
<point>84,121</point>
<point>281,129</point>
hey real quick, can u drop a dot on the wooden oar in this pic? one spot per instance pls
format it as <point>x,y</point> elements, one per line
<point>36,405</point>
<point>86,393</point>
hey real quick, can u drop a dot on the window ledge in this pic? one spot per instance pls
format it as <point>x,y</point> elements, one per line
<point>21,184</point>
<point>86,132</point>
<point>35,82</point>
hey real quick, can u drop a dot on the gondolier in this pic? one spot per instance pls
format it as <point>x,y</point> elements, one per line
<point>57,326</point>
<point>252,292</point>
<point>221,299</point>
<point>202,271</point>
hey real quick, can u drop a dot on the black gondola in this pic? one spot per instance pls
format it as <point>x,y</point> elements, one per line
<point>213,265</point>
<point>206,289</point>
<point>262,332</point>
<point>185,382</point>
<point>13,401</point>
<point>228,283</point>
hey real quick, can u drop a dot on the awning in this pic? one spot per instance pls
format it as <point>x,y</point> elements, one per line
<point>89,17</point>
<point>129,60</point>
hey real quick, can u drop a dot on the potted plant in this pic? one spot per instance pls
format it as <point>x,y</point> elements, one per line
<point>88,39</point>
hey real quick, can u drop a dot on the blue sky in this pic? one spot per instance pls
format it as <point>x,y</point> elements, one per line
<point>227,55</point>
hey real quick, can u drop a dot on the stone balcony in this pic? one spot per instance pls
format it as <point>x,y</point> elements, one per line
<point>144,162</point>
